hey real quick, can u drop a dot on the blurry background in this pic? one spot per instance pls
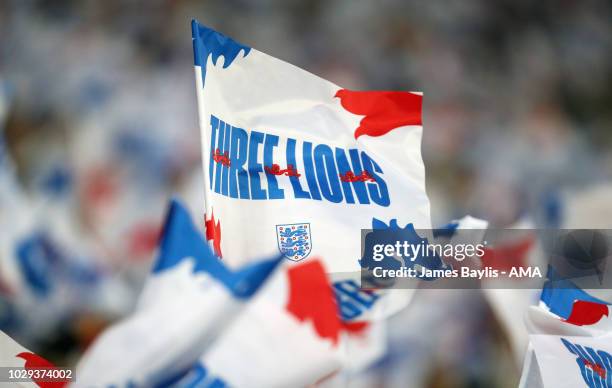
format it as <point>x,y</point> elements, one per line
<point>98,100</point>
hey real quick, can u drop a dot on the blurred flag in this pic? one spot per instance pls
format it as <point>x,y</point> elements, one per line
<point>46,273</point>
<point>560,361</point>
<point>289,336</point>
<point>563,303</point>
<point>295,163</point>
<point>13,355</point>
<point>189,299</point>
<point>564,310</point>
<point>47,269</point>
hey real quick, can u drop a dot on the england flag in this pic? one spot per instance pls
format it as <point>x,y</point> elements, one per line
<point>189,300</point>
<point>565,307</point>
<point>568,362</point>
<point>289,336</point>
<point>567,310</point>
<point>296,164</point>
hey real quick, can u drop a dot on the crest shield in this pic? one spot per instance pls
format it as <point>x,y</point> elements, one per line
<point>294,240</point>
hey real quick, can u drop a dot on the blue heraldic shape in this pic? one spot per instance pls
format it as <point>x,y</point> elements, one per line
<point>207,42</point>
<point>388,234</point>
<point>294,241</point>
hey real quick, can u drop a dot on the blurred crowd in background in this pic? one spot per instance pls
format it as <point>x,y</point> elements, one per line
<point>100,129</point>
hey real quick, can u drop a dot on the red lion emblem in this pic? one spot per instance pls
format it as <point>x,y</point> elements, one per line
<point>383,111</point>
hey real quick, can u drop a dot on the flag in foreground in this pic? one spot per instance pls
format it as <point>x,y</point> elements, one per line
<point>296,164</point>
<point>290,335</point>
<point>188,301</point>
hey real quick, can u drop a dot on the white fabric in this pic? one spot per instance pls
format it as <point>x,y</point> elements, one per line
<point>268,346</point>
<point>257,92</point>
<point>179,314</point>
<point>569,362</point>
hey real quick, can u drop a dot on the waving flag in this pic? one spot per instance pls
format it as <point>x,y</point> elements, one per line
<point>47,268</point>
<point>289,336</point>
<point>189,299</point>
<point>566,302</point>
<point>295,163</point>
<point>46,274</point>
<point>565,310</point>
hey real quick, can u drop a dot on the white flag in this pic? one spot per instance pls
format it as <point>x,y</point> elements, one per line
<point>569,362</point>
<point>295,163</point>
<point>189,300</point>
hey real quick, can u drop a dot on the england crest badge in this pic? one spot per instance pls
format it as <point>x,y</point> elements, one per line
<point>294,240</point>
